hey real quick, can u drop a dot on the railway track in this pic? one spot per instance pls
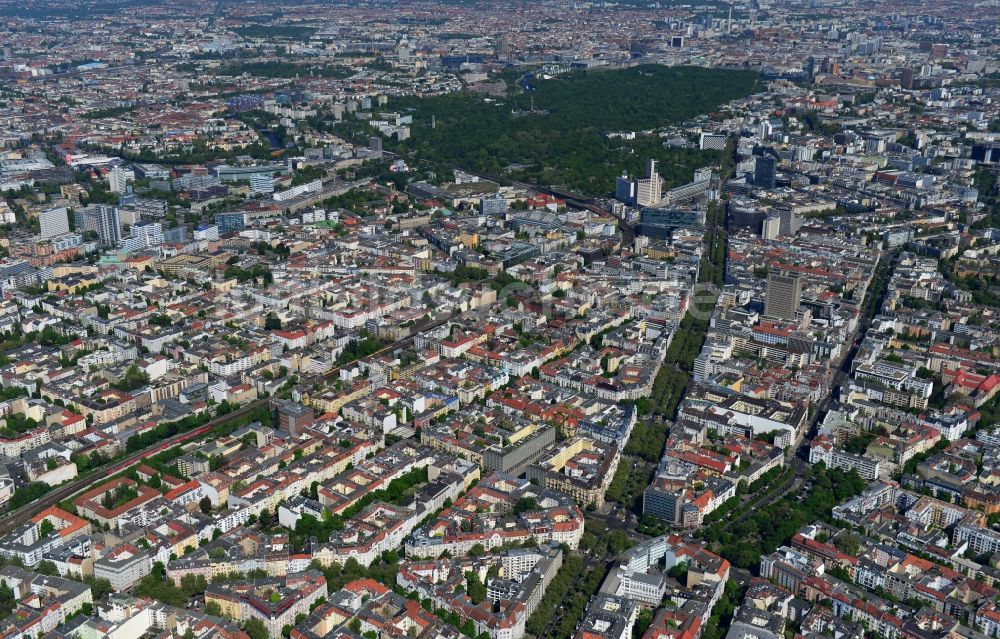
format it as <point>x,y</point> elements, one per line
<point>574,200</point>
<point>12,520</point>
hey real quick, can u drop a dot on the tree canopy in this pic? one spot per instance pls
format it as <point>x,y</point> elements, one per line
<point>562,142</point>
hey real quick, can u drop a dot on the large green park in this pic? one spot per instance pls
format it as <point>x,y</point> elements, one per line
<point>554,133</point>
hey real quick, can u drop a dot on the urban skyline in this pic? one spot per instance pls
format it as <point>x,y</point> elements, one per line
<point>521,320</point>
